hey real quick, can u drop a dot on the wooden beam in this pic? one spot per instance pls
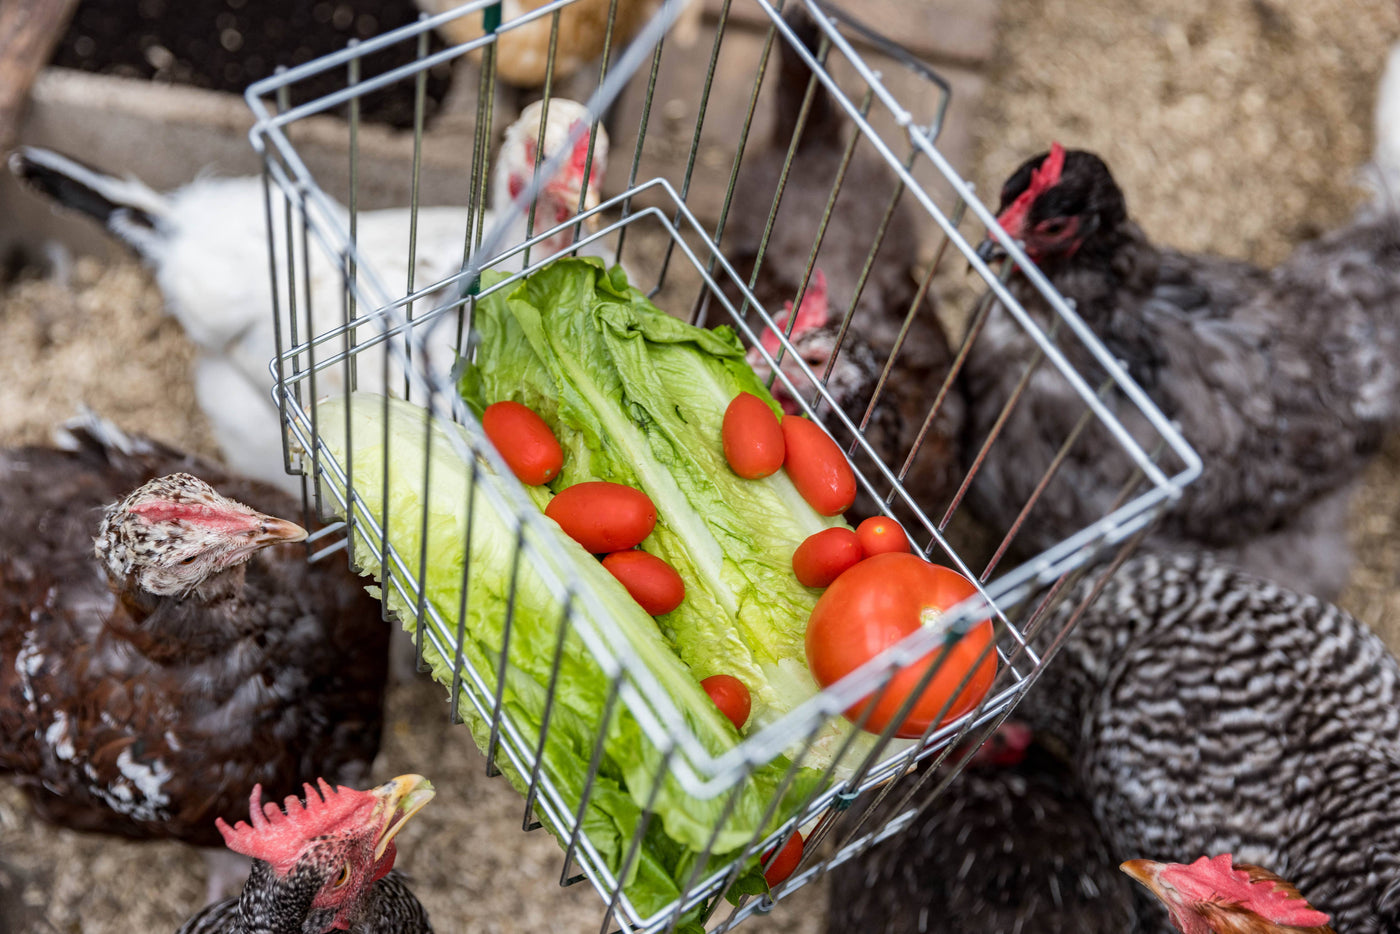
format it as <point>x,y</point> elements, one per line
<point>29,30</point>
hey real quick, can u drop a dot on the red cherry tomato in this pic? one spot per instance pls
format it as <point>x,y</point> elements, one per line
<point>824,555</point>
<point>603,517</point>
<point>876,604</point>
<point>753,439</point>
<point>788,858</point>
<point>731,696</point>
<point>524,440</point>
<point>650,580</point>
<point>818,467</point>
<point>880,535</point>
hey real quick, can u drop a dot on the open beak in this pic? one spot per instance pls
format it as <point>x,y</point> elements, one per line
<point>1143,870</point>
<point>399,799</point>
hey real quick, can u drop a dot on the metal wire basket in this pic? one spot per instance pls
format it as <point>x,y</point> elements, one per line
<point>342,324</point>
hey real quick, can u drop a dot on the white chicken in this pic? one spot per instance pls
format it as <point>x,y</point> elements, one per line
<point>207,245</point>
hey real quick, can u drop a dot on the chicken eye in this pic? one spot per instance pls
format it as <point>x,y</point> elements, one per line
<point>1053,227</point>
<point>344,876</point>
<point>190,560</point>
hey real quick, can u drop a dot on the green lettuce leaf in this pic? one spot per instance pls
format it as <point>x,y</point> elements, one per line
<point>636,396</point>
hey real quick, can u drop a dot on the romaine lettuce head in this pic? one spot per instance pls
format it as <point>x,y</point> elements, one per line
<point>392,447</point>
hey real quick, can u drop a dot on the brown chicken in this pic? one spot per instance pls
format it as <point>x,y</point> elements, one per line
<point>325,864</point>
<point>147,687</point>
<point>1215,896</point>
<point>849,364</point>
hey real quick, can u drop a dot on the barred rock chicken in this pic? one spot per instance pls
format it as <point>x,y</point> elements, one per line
<point>207,245</point>
<point>1283,380</point>
<point>150,677</point>
<point>1214,896</point>
<point>322,865</point>
<point>856,362</point>
<point>1010,847</point>
<point>1210,711</point>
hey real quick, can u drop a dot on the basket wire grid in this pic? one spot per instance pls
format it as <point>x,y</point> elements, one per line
<point>403,336</point>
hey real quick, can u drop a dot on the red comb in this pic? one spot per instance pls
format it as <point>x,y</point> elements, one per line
<point>1044,177</point>
<point>814,312</point>
<point>1216,879</point>
<point>278,837</point>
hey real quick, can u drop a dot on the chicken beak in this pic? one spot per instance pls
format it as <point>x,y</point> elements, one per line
<point>272,531</point>
<point>989,251</point>
<point>1144,871</point>
<point>399,799</point>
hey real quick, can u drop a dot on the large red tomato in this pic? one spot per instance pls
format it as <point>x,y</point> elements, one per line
<point>876,604</point>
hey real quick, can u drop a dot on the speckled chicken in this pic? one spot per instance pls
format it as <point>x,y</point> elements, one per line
<point>851,368</point>
<point>159,654</point>
<point>1283,380</point>
<point>323,864</point>
<point>1209,711</point>
<point>1214,895</point>
<point>1010,847</point>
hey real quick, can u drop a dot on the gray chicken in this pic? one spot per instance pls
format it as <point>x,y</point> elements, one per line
<point>1283,380</point>
<point>1010,847</point>
<point>1210,711</point>
<point>856,362</point>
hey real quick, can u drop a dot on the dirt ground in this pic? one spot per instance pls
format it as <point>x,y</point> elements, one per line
<point>1233,125</point>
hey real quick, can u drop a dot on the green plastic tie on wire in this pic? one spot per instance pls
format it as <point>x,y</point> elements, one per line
<point>491,18</point>
<point>844,800</point>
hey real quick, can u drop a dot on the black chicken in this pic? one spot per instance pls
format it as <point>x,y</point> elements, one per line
<point>1284,380</point>
<point>322,865</point>
<point>1209,711</point>
<point>146,689</point>
<point>852,367</point>
<point>1009,847</point>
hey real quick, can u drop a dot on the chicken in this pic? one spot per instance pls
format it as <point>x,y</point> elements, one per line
<point>1207,710</point>
<point>1283,380</point>
<point>207,245</point>
<point>1010,847</point>
<point>152,675</point>
<point>323,865</point>
<point>522,51</point>
<point>1213,896</point>
<point>852,363</point>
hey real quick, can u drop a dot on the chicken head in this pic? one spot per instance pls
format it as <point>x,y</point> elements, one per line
<point>1213,896</point>
<point>576,181</point>
<point>1055,203</point>
<point>319,859</point>
<point>175,533</point>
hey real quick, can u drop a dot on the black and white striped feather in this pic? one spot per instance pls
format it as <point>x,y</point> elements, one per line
<point>1209,711</point>
<point>392,909</point>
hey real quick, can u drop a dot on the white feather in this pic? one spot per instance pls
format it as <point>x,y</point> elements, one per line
<point>209,253</point>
